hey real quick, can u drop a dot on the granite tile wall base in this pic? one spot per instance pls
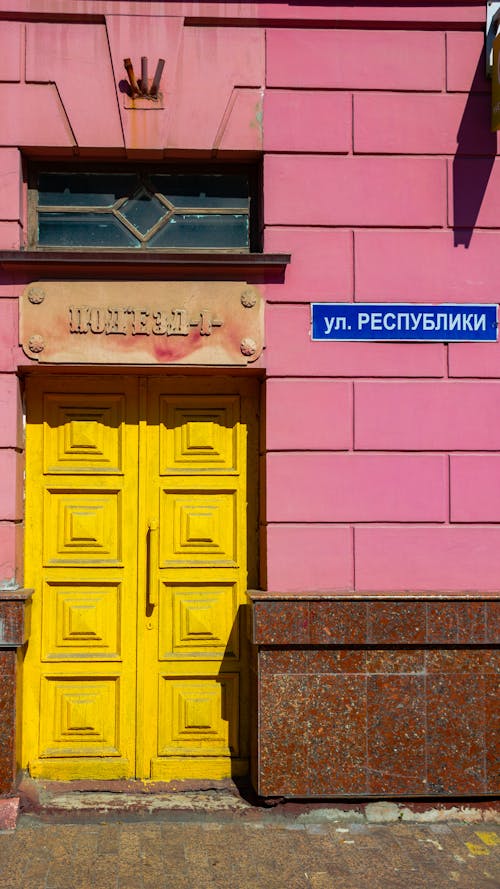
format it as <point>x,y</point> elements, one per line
<point>376,695</point>
<point>9,810</point>
<point>14,624</point>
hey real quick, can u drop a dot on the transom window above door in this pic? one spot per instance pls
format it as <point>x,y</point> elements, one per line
<point>141,209</point>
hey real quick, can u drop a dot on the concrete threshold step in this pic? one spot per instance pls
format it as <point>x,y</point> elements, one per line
<point>129,798</point>
<point>221,800</point>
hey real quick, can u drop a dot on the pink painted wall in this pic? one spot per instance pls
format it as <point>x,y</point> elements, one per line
<point>382,464</point>
<point>380,178</point>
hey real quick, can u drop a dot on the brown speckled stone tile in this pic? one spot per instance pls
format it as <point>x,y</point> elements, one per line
<point>456,734</point>
<point>396,733</point>
<point>281,623</point>
<point>7,719</point>
<point>493,622</point>
<point>390,660</point>
<point>456,622</point>
<point>492,725</point>
<point>471,623</point>
<point>442,622</point>
<point>337,739</point>
<point>283,660</point>
<point>282,741</point>
<point>491,662</point>
<point>336,660</point>
<point>397,623</point>
<point>338,623</point>
<point>454,660</point>
<point>12,624</point>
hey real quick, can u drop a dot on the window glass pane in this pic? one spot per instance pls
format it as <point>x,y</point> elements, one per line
<point>143,211</point>
<point>84,189</point>
<point>211,190</point>
<point>83,230</point>
<point>214,230</point>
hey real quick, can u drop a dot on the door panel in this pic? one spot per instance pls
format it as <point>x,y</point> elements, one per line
<point>81,533</point>
<point>137,533</point>
<point>197,457</point>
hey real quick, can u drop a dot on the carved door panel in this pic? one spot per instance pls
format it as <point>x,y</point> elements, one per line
<point>136,539</point>
<point>194,647</point>
<point>81,543</point>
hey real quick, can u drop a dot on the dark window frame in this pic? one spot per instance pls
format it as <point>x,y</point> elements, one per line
<point>252,170</point>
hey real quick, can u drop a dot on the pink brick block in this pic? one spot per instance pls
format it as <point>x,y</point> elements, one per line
<point>355,59</point>
<point>354,190</point>
<point>399,123</point>
<point>243,128</point>
<point>474,360</point>
<point>423,558</point>
<point>10,235</point>
<point>216,89</point>
<point>72,55</point>
<point>475,488</point>
<point>291,351</point>
<point>465,62</point>
<point>427,416</point>
<point>9,810</point>
<point>424,266</point>
<point>299,120</point>
<point>308,415</point>
<point>309,557</point>
<point>11,432</point>
<point>319,487</point>
<point>10,184</point>
<point>9,349</point>
<point>474,186</point>
<point>321,265</point>
<point>10,553</point>
<point>11,485</point>
<point>34,116</point>
<point>10,51</point>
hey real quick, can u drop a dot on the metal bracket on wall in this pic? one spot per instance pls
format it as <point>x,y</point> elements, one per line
<point>491,31</point>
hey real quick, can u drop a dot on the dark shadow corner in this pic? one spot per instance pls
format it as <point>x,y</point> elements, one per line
<point>474,158</point>
<point>241,722</point>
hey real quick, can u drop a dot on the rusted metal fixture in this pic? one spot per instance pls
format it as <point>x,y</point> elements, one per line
<point>141,88</point>
<point>143,83</point>
<point>155,86</point>
<point>129,68</point>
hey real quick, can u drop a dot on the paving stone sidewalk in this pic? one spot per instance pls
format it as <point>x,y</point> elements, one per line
<point>208,851</point>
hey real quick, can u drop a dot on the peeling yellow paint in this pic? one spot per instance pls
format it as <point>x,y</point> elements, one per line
<point>475,849</point>
<point>489,838</point>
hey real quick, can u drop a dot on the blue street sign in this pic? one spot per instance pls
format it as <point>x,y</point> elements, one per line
<point>401,322</point>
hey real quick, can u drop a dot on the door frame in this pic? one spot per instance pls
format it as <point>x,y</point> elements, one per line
<point>241,382</point>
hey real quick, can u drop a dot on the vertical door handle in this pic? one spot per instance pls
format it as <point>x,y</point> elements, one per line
<point>152,592</point>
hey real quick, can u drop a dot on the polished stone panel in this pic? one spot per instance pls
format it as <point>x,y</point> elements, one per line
<point>376,695</point>
<point>14,627</point>
<point>395,756</point>
<point>7,720</point>
<point>336,725</point>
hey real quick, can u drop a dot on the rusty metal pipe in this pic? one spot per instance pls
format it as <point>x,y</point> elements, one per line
<point>157,78</point>
<point>131,76</point>
<point>144,76</point>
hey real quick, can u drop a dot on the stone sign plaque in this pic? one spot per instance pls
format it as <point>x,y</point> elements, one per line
<point>142,322</point>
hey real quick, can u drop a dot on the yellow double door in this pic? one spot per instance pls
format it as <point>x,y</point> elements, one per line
<point>136,540</point>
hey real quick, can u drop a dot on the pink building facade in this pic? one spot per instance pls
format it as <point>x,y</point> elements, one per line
<point>375,609</point>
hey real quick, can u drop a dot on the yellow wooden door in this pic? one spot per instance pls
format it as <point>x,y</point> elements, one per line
<point>136,546</point>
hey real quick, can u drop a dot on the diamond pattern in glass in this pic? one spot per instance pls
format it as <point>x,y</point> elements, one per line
<point>143,211</point>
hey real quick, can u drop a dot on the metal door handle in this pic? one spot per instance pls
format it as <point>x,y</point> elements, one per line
<point>152,592</point>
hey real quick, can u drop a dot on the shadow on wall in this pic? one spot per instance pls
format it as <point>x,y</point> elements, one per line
<point>474,158</point>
